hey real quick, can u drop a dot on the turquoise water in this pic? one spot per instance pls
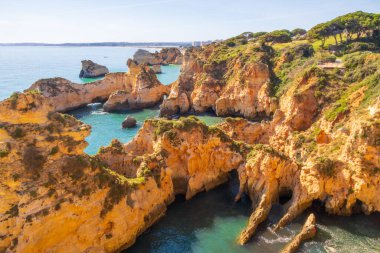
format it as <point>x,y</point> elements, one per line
<point>210,222</point>
<point>169,74</point>
<point>107,126</point>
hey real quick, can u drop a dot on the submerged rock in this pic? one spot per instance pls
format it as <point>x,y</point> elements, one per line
<point>91,69</point>
<point>129,122</point>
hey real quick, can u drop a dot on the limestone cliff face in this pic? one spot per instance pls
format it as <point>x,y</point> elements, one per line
<point>313,150</point>
<point>54,197</point>
<point>164,57</point>
<point>141,89</point>
<point>197,157</point>
<point>230,82</point>
<point>317,141</point>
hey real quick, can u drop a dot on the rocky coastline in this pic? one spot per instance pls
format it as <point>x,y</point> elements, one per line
<point>138,88</point>
<point>294,129</point>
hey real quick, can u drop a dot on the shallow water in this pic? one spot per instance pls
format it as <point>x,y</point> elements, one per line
<point>169,74</point>
<point>209,222</point>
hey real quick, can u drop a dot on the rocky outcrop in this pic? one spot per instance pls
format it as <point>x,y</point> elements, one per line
<point>138,180</point>
<point>129,122</point>
<point>65,95</point>
<point>164,57</point>
<point>309,230</point>
<point>91,69</point>
<point>224,82</point>
<point>141,89</point>
<point>55,195</point>
<point>317,142</point>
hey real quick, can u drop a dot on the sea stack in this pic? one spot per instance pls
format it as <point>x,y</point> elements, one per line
<point>91,69</point>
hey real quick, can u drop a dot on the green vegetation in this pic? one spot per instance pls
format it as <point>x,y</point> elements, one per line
<point>325,166</point>
<point>363,72</point>
<point>184,124</point>
<point>298,62</point>
<point>13,98</point>
<point>4,153</point>
<point>34,92</point>
<point>352,25</point>
<point>74,166</point>
<point>298,31</point>
<point>18,133</point>
<point>33,160</point>
<point>278,36</point>
<point>13,211</point>
<point>54,150</point>
<point>256,149</point>
<point>33,194</point>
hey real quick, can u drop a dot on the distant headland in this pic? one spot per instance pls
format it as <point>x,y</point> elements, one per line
<point>104,44</point>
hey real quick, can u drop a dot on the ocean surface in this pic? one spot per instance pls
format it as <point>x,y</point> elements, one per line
<point>210,222</point>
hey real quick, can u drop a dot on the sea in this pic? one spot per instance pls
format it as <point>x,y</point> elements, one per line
<point>211,221</point>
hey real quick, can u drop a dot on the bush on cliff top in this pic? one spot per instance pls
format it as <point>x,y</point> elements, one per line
<point>363,72</point>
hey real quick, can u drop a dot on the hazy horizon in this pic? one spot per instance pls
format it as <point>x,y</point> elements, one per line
<point>86,21</point>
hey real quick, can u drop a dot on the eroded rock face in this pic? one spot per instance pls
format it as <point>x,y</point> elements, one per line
<point>164,57</point>
<point>236,86</point>
<point>318,144</point>
<point>57,195</point>
<point>91,69</point>
<point>138,180</point>
<point>141,89</point>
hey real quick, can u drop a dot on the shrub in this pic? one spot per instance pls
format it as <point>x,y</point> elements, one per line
<point>325,166</point>
<point>33,159</point>
<point>54,150</point>
<point>360,46</point>
<point>17,133</point>
<point>4,152</point>
<point>74,166</point>
<point>231,44</point>
<point>13,211</point>
<point>258,34</point>
<point>298,31</point>
<point>278,36</point>
<point>13,99</point>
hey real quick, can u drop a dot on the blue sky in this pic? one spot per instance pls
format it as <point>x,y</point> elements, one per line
<point>55,21</point>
